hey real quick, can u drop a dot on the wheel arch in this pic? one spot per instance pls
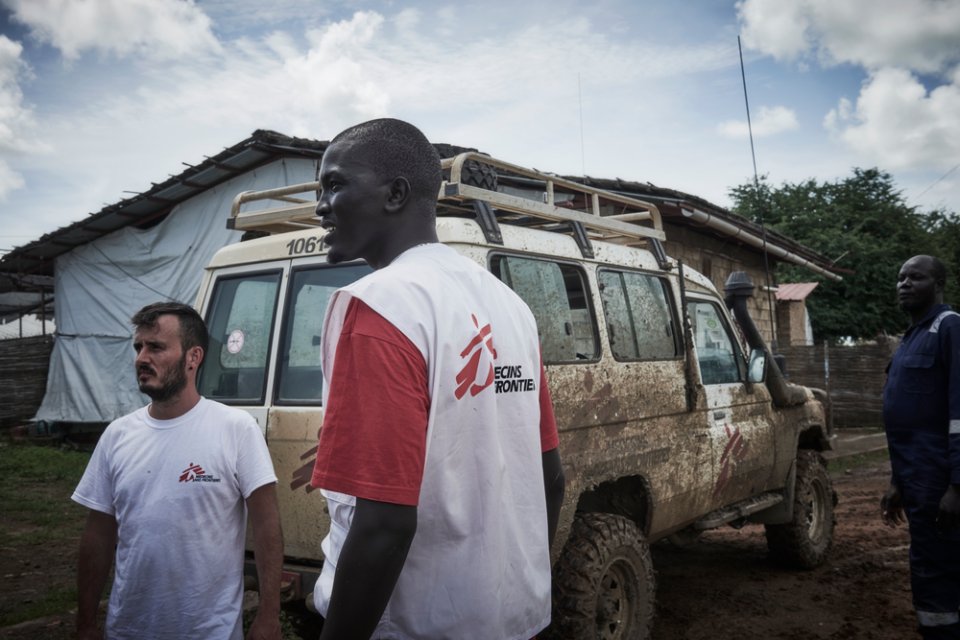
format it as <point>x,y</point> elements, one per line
<point>627,496</point>
<point>814,437</point>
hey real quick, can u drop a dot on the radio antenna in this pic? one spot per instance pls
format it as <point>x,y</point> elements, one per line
<point>583,161</point>
<point>756,190</point>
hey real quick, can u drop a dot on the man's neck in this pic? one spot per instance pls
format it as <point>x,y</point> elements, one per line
<point>173,407</point>
<point>918,316</point>
<point>414,240</point>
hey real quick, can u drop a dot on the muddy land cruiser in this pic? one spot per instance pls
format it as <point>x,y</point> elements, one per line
<point>669,424</point>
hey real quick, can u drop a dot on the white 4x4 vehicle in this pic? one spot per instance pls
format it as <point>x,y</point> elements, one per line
<point>668,424</point>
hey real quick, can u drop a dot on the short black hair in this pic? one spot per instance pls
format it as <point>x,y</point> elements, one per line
<point>937,269</point>
<point>193,331</point>
<point>397,148</point>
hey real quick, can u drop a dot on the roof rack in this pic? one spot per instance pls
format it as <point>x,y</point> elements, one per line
<point>510,194</point>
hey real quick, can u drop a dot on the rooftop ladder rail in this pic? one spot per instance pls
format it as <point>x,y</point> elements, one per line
<point>299,213</point>
<point>633,219</point>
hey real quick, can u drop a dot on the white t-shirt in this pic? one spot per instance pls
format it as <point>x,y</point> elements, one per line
<point>479,564</point>
<point>177,489</point>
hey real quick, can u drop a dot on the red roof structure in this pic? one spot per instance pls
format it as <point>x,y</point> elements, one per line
<point>795,291</point>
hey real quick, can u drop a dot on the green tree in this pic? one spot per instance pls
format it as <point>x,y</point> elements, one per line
<point>944,229</point>
<point>863,224</point>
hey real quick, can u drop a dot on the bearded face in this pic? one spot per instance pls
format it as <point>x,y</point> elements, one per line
<point>163,384</point>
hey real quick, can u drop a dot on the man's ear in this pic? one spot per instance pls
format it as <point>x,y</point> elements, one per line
<point>398,195</point>
<point>195,357</point>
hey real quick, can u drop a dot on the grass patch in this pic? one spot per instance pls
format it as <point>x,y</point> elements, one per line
<point>35,494</point>
<point>39,530</point>
<point>56,600</point>
<point>859,461</point>
<point>50,464</point>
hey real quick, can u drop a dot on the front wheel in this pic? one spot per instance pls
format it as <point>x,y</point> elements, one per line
<point>604,583</point>
<point>805,541</point>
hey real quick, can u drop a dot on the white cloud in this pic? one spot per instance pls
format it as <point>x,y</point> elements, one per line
<point>920,35</point>
<point>159,29</point>
<point>898,124</point>
<point>777,28</point>
<point>15,118</point>
<point>13,115</point>
<point>369,65</point>
<point>10,180</point>
<point>895,122</point>
<point>509,89</point>
<point>769,121</point>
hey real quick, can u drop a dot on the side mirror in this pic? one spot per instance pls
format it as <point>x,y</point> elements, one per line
<point>757,368</point>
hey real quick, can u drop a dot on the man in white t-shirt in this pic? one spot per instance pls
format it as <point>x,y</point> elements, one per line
<point>443,481</point>
<point>168,488</point>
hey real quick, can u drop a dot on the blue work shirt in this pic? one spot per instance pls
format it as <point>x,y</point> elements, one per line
<point>921,407</point>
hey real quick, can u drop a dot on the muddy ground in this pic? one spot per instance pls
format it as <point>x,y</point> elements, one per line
<point>724,587</point>
<point>720,587</point>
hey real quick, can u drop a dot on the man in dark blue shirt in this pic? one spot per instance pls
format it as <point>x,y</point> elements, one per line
<point>921,415</point>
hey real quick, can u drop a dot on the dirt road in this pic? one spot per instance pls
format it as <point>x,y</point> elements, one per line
<point>722,586</point>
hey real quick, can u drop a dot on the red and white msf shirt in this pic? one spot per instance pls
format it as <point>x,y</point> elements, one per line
<point>436,398</point>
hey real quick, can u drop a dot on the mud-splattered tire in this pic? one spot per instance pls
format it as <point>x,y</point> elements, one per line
<point>805,541</point>
<point>604,583</point>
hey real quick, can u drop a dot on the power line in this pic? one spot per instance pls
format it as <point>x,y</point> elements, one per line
<point>934,183</point>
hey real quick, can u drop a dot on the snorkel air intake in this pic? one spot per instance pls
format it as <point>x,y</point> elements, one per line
<point>737,290</point>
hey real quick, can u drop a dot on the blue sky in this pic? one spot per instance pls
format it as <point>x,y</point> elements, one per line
<point>100,98</point>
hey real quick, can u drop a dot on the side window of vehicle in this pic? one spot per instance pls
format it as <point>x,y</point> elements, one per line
<point>240,323</point>
<point>716,350</point>
<point>637,311</point>
<point>557,296</point>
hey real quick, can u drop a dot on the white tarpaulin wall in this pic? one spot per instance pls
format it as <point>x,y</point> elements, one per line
<point>100,285</point>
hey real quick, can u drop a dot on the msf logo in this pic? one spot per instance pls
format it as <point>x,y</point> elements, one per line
<point>195,473</point>
<point>191,472</point>
<point>473,377</point>
<point>735,451</point>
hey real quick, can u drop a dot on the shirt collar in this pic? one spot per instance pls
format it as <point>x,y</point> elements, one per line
<point>935,310</point>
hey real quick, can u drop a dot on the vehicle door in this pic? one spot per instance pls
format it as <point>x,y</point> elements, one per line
<point>736,412</point>
<point>264,357</point>
<point>644,336</point>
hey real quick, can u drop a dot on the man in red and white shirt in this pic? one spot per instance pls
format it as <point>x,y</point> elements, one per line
<point>438,454</point>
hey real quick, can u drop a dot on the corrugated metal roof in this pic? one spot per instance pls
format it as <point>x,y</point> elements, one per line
<point>672,203</point>
<point>146,208</point>
<point>37,257</point>
<point>795,291</point>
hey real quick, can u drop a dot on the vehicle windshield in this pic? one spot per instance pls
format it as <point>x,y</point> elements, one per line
<point>241,320</point>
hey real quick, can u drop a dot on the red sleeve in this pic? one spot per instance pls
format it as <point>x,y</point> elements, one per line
<point>373,440</point>
<point>549,439</point>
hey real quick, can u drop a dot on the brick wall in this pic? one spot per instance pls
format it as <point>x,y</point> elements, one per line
<point>717,259</point>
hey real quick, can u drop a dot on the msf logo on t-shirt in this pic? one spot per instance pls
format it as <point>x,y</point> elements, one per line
<point>479,372</point>
<point>195,473</point>
<point>473,377</point>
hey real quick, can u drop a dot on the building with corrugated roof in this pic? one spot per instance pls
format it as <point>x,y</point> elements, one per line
<point>92,275</point>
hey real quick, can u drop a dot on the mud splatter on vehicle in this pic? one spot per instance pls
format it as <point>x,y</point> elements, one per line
<point>669,424</point>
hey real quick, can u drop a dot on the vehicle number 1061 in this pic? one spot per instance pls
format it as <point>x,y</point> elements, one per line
<point>304,245</point>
